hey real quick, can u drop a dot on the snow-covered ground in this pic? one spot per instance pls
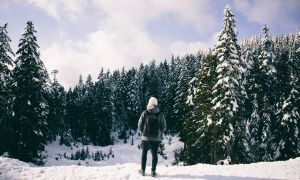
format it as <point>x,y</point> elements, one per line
<point>123,153</point>
<point>126,163</point>
<point>15,170</point>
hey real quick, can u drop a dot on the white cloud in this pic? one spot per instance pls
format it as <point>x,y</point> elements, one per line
<point>121,38</point>
<point>182,48</point>
<point>111,49</point>
<point>72,10</point>
<point>273,12</point>
<point>192,12</point>
<point>68,59</point>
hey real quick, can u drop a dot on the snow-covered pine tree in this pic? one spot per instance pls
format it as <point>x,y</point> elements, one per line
<point>89,109</point>
<point>103,116</point>
<point>180,107</point>
<point>253,103</point>
<point>56,102</point>
<point>185,70</point>
<point>70,111</point>
<point>281,49</point>
<point>297,57</point>
<point>142,82</point>
<point>171,93</point>
<point>197,126</point>
<point>114,81</point>
<point>133,111</point>
<point>122,98</point>
<point>193,65</point>
<point>118,91</point>
<point>81,90</point>
<point>268,97</point>
<point>78,123</point>
<point>288,113</point>
<point>163,84</point>
<point>228,90</point>
<point>31,84</point>
<point>6,63</point>
<point>152,84</point>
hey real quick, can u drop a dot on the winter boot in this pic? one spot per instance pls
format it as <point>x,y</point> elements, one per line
<point>153,173</point>
<point>142,172</point>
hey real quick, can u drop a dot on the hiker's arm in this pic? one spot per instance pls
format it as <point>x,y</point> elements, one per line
<point>163,124</point>
<point>141,122</point>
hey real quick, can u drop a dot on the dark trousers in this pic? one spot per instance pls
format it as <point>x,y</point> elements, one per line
<point>153,145</point>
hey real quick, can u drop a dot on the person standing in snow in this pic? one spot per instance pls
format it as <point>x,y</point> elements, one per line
<point>152,124</point>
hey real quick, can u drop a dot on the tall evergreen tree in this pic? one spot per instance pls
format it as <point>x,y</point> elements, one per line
<point>192,65</point>
<point>253,102</point>
<point>171,94</point>
<point>143,79</point>
<point>197,127</point>
<point>288,113</point>
<point>56,101</point>
<point>268,97</point>
<point>180,107</point>
<point>103,110</point>
<point>70,111</point>
<point>123,89</point>
<point>117,100</point>
<point>133,110</point>
<point>31,84</point>
<point>5,87</point>
<point>228,90</point>
<point>163,82</point>
<point>78,123</point>
<point>152,84</point>
<point>89,109</point>
<point>187,70</point>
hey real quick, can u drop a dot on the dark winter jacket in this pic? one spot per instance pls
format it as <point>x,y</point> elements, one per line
<point>162,123</point>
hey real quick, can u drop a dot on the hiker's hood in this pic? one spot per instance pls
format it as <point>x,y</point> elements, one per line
<point>152,103</point>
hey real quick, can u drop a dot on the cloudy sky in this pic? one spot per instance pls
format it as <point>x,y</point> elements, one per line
<point>81,36</point>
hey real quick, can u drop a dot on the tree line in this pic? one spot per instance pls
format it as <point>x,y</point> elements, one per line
<point>239,100</point>
<point>247,102</point>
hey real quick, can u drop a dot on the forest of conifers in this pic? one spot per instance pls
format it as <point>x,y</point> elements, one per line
<point>239,100</point>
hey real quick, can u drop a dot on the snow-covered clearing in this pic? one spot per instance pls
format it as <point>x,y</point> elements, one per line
<point>123,153</point>
<point>14,169</point>
<point>126,163</point>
